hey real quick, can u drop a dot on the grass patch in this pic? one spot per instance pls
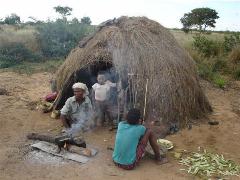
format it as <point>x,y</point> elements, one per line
<point>12,34</point>
<point>236,73</point>
<point>24,68</point>
<point>219,81</point>
<point>30,67</point>
<point>211,68</point>
<point>234,55</point>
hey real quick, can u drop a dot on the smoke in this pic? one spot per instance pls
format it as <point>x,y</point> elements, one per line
<point>88,119</point>
<point>82,124</point>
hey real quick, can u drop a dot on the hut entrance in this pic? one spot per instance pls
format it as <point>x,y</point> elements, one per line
<point>89,74</point>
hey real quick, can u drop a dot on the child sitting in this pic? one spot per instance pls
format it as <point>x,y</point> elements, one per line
<point>102,100</point>
<point>131,141</point>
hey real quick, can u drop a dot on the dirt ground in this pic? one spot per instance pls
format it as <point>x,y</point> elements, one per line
<point>17,118</point>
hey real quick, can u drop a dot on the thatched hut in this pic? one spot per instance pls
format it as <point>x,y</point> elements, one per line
<point>157,75</point>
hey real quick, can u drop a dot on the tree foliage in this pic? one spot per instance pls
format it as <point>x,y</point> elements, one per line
<point>86,20</point>
<point>75,21</point>
<point>199,18</point>
<point>58,38</point>
<point>64,11</point>
<point>12,19</point>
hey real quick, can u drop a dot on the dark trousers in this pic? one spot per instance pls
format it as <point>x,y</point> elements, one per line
<point>103,109</point>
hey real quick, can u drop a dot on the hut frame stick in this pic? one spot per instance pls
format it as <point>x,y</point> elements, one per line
<point>145,101</point>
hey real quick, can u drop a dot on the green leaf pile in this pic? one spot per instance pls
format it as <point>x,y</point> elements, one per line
<point>207,164</point>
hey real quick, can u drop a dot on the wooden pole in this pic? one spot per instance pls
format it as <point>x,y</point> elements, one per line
<point>145,101</point>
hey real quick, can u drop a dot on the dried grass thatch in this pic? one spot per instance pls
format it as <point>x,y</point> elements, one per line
<point>146,49</point>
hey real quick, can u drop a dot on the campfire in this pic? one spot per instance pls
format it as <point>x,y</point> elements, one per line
<point>66,146</point>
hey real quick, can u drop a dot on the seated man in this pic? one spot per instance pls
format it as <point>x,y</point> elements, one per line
<point>131,141</point>
<point>76,114</point>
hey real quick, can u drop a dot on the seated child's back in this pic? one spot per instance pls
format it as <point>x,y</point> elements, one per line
<point>126,142</point>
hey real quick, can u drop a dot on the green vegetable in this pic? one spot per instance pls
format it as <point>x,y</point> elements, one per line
<point>208,164</point>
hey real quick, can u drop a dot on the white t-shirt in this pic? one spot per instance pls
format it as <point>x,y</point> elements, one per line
<point>102,91</point>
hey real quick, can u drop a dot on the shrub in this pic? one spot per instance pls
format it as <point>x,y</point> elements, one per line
<point>206,46</point>
<point>234,56</point>
<point>205,71</point>
<point>236,73</point>
<point>12,19</point>
<point>16,53</point>
<point>6,62</point>
<point>219,64</point>
<point>58,38</point>
<point>219,80</point>
<point>231,41</point>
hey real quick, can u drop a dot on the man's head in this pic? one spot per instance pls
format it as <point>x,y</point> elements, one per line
<point>133,116</point>
<point>80,90</point>
<point>101,78</point>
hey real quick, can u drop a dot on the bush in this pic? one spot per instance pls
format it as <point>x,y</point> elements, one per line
<point>14,54</point>
<point>231,41</point>
<point>58,38</point>
<point>6,63</point>
<point>12,19</point>
<point>205,71</point>
<point>206,46</point>
<point>237,73</point>
<point>219,80</point>
<point>234,56</point>
<point>219,65</point>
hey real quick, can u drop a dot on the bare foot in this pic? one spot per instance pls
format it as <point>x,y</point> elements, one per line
<point>162,160</point>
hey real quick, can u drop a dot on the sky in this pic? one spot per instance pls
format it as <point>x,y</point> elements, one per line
<point>166,12</point>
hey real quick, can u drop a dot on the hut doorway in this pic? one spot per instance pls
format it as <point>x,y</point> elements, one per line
<point>89,74</point>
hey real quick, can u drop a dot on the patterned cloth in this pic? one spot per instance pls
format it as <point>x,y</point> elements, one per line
<point>139,155</point>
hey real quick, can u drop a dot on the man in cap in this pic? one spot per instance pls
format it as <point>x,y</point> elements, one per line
<point>77,111</point>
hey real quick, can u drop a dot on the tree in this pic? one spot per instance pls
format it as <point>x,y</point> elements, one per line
<point>86,20</point>
<point>64,11</point>
<point>75,21</point>
<point>33,21</point>
<point>12,19</point>
<point>201,18</point>
<point>58,38</point>
<point>1,21</point>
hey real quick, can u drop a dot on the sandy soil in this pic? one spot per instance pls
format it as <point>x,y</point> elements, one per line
<point>17,119</point>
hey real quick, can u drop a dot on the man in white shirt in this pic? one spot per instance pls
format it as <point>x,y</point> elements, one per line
<point>76,114</point>
<point>103,104</point>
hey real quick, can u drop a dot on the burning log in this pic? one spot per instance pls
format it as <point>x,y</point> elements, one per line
<point>60,141</point>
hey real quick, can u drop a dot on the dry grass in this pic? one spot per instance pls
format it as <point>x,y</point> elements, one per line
<point>234,55</point>
<point>185,40</point>
<point>12,34</point>
<point>143,47</point>
<point>31,68</point>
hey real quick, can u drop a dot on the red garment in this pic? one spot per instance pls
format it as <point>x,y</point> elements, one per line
<point>51,97</point>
